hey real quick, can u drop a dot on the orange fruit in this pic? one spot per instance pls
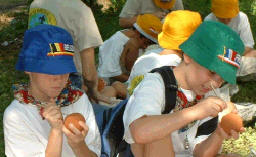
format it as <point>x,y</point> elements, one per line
<point>74,118</point>
<point>230,122</point>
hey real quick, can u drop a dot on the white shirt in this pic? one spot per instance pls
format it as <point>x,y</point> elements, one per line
<point>136,7</point>
<point>146,63</point>
<point>109,55</point>
<point>74,16</point>
<point>154,50</point>
<point>148,98</point>
<point>26,134</point>
<point>239,24</point>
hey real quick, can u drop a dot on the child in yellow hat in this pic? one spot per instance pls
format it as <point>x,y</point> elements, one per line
<point>177,27</point>
<point>118,54</point>
<point>228,12</point>
<point>134,8</point>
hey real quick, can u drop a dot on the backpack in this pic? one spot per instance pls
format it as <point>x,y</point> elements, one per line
<point>112,127</point>
<point>111,120</point>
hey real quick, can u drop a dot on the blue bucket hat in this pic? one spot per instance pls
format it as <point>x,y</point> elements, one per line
<point>47,49</point>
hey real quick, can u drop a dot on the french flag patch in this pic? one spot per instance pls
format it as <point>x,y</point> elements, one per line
<point>231,57</point>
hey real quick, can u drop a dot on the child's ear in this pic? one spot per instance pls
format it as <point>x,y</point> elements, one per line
<point>186,58</point>
<point>26,72</point>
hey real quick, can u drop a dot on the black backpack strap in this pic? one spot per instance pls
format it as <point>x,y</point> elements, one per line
<point>207,127</point>
<point>170,87</point>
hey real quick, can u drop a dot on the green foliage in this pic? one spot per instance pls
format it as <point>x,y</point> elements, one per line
<point>201,6</point>
<point>246,92</point>
<point>16,28</point>
<point>241,146</point>
<point>117,5</point>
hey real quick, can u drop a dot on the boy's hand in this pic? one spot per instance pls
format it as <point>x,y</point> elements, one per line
<point>223,135</point>
<point>53,115</point>
<point>210,106</point>
<point>74,136</point>
<point>96,96</point>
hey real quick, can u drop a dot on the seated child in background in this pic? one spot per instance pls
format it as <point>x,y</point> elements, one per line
<point>185,131</point>
<point>227,12</point>
<point>118,54</point>
<point>33,122</point>
<point>133,8</point>
<point>177,28</point>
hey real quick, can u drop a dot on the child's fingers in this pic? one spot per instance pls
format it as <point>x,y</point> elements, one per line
<point>73,129</point>
<point>242,129</point>
<point>53,112</point>
<point>234,134</point>
<point>66,130</point>
<point>85,128</point>
<point>223,133</point>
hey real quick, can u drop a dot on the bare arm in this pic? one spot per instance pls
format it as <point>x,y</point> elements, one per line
<point>127,22</point>
<point>131,50</point>
<point>210,146</point>
<point>151,128</point>
<point>54,145</point>
<point>90,75</point>
<point>249,52</point>
<point>82,150</point>
<point>88,67</point>
<point>54,117</point>
<point>121,78</point>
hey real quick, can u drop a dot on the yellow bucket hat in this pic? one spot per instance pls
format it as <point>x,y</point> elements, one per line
<point>225,8</point>
<point>177,28</point>
<point>149,25</point>
<point>164,4</point>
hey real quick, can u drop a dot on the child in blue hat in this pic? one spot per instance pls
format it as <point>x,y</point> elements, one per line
<point>33,122</point>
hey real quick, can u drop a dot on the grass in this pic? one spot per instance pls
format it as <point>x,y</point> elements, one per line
<point>5,3</point>
<point>108,25</point>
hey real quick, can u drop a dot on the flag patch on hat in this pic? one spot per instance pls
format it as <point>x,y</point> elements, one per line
<point>231,57</point>
<point>59,49</point>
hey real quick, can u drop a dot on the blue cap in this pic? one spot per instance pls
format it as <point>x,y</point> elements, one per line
<point>47,49</point>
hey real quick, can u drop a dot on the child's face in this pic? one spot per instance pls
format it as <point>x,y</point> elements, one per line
<point>46,86</point>
<point>199,79</point>
<point>145,42</point>
<point>226,21</point>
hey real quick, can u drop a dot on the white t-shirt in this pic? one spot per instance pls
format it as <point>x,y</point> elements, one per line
<point>154,50</point>
<point>74,16</point>
<point>136,7</point>
<point>239,24</point>
<point>109,55</point>
<point>148,62</point>
<point>26,134</point>
<point>148,98</point>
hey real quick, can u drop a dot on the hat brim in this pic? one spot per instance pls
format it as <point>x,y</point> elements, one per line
<point>51,67</point>
<point>144,33</point>
<point>231,14</point>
